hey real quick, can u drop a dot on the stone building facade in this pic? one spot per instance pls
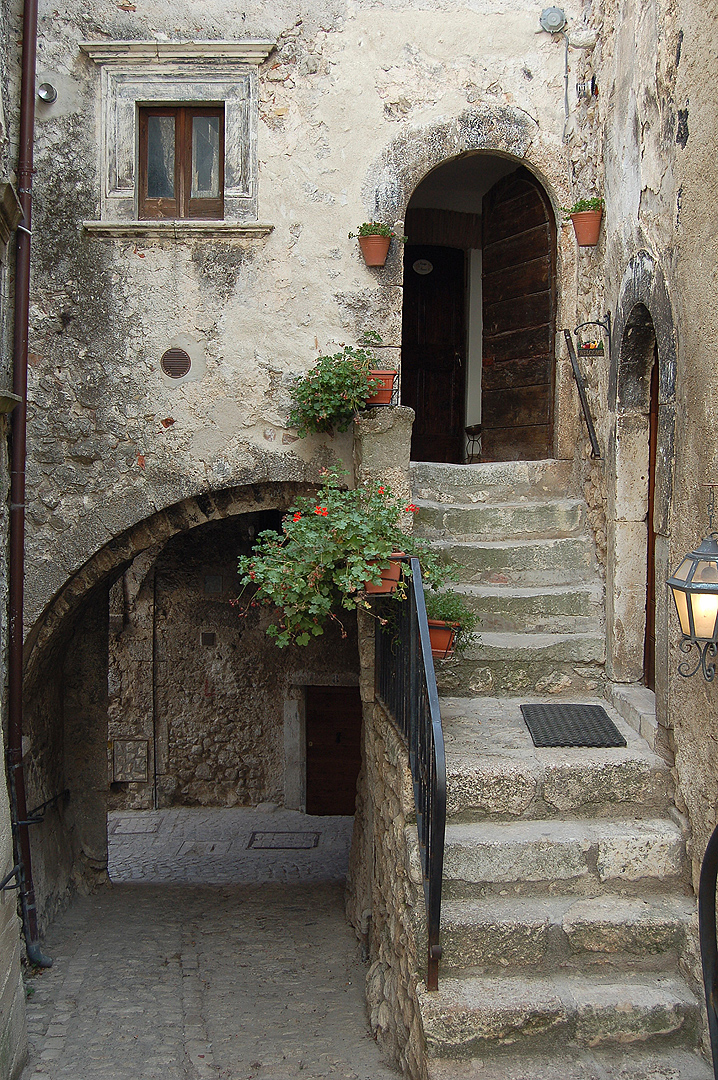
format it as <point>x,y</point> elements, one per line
<point>162,350</point>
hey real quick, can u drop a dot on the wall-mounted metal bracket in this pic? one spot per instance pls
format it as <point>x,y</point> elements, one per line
<point>605,325</point>
<point>5,883</point>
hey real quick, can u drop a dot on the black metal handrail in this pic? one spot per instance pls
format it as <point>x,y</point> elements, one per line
<point>406,687</point>
<point>707,934</point>
<point>581,384</point>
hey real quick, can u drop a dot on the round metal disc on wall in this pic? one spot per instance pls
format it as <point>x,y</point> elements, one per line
<point>175,363</point>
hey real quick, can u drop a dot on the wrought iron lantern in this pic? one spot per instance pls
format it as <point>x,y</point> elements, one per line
<point>695,591</point>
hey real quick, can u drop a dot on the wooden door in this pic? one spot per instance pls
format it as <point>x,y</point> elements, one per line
<point>433,351</point>
<point>333,726</point>
<point>649,648</point>
<point>518,278</point>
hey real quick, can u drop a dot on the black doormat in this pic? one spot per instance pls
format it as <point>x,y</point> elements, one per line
<point>571,725</point>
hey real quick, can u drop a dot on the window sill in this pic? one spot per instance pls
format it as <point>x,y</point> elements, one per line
<point>177,229</point>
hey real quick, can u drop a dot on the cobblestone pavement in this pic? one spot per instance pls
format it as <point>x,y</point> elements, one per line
<point>191,981</point>
<point>212,847</point>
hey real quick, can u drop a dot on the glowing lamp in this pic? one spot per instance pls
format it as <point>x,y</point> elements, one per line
<point>695,591</point>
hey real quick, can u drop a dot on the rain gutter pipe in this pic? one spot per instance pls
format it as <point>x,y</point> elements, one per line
<point>17,489</point>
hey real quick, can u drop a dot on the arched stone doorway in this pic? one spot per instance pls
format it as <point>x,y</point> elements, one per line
<point>479,312</point>
<point>640,470</point>
<point>144,688</point>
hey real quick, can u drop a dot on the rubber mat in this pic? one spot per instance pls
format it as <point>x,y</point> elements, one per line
<point>571,725</point>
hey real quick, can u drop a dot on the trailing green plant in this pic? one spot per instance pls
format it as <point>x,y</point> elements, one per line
<point>581,205</point>
<point>451,607</point>
<point>331,544</point>
<point>333,391</point>
<point>378,228</point>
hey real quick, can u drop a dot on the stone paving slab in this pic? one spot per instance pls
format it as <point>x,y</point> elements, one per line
<point>212,846</point>
<point>256,978</point>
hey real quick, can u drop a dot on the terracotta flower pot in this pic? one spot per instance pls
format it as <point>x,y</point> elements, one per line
<point>389,576</point>
<point>383,393</point>
<point>374,249</point>
<point>441,635</point>
<point>587,226</point>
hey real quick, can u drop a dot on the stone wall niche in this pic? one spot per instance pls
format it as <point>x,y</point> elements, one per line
<point>643,335</point>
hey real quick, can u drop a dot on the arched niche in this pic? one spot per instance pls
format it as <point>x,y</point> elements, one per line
<point>643,343</point>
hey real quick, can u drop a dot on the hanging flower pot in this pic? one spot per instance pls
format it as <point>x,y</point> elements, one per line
<point>389,576</point>
<point>442,636</point>
<point>383,394</point>
<point>587,226</point>
<point>374,239</point>
<point>374,249</point>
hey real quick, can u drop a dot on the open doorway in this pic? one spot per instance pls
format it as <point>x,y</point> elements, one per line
<point>479,312</point>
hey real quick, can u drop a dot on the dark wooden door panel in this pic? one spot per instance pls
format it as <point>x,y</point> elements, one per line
<point>433,351</point>
<point>333,732</point>
<point>518,281</point>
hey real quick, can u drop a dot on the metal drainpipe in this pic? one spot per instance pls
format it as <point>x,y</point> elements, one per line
<point>17,488</point>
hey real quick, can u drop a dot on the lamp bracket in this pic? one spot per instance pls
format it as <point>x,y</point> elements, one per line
<point>706,659</point>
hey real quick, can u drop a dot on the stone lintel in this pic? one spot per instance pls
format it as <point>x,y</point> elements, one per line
<point>123,52</point>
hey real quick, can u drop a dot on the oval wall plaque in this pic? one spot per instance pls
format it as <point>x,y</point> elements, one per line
<point>423,266</point>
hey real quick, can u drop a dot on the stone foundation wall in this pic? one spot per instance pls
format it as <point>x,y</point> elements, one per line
<point>385,900</point>
<point>13,1040</point>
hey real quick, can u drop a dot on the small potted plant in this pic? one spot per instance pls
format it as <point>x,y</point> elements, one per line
<point>335,389</point>
<point>332,544</point>
<point>374,239</point>
<point>586,216</point>
<point>451,622</point>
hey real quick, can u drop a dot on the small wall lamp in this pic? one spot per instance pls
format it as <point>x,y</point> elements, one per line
<point>695,592</point>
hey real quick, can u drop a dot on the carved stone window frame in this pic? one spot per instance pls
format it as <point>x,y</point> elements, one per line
<point>136,73</point>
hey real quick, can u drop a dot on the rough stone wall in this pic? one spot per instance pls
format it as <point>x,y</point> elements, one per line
<point>206,715</point>
<point>13,1039</point>
<point>691,57</point>
<point>385,899</point>
<point>252,312</point>
<point>661,128</point>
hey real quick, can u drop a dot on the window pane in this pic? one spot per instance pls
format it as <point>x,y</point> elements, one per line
<point>160,157</point>
<point>205,157</point>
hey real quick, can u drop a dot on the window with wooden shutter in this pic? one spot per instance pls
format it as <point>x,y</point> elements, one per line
<point>181,162</point>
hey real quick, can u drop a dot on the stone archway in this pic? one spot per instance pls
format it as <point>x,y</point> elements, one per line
<point>67,685</point>
<point>493,131</point>
<point>643,334</point>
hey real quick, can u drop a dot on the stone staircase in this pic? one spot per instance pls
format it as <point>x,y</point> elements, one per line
<point>528,567</point>
<point>568,920</point>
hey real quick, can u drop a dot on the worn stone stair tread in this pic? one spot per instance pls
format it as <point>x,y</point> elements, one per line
<point>597,851</point>
<point>576,1063</point>
<point>589,591</point>
<point>585,648</point>
<point>529,519</point>
<point>474,1011</point>
<point>514,932</point>
<point>542,562</point>
<point>530,477</point>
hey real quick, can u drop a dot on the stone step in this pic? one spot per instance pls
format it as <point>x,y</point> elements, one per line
<point>490,481</point>
<point>538,563</point>
<point>582,856</point>
<point>576,1063</point>
<point>545,933</point>
<point>509,663</point>
<point>477,1013</point>
<point>527,520</point>
<point>576,608</point>
<point>494,770</point>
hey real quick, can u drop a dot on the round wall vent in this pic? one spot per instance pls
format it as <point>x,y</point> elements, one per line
<point>175,363</point>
